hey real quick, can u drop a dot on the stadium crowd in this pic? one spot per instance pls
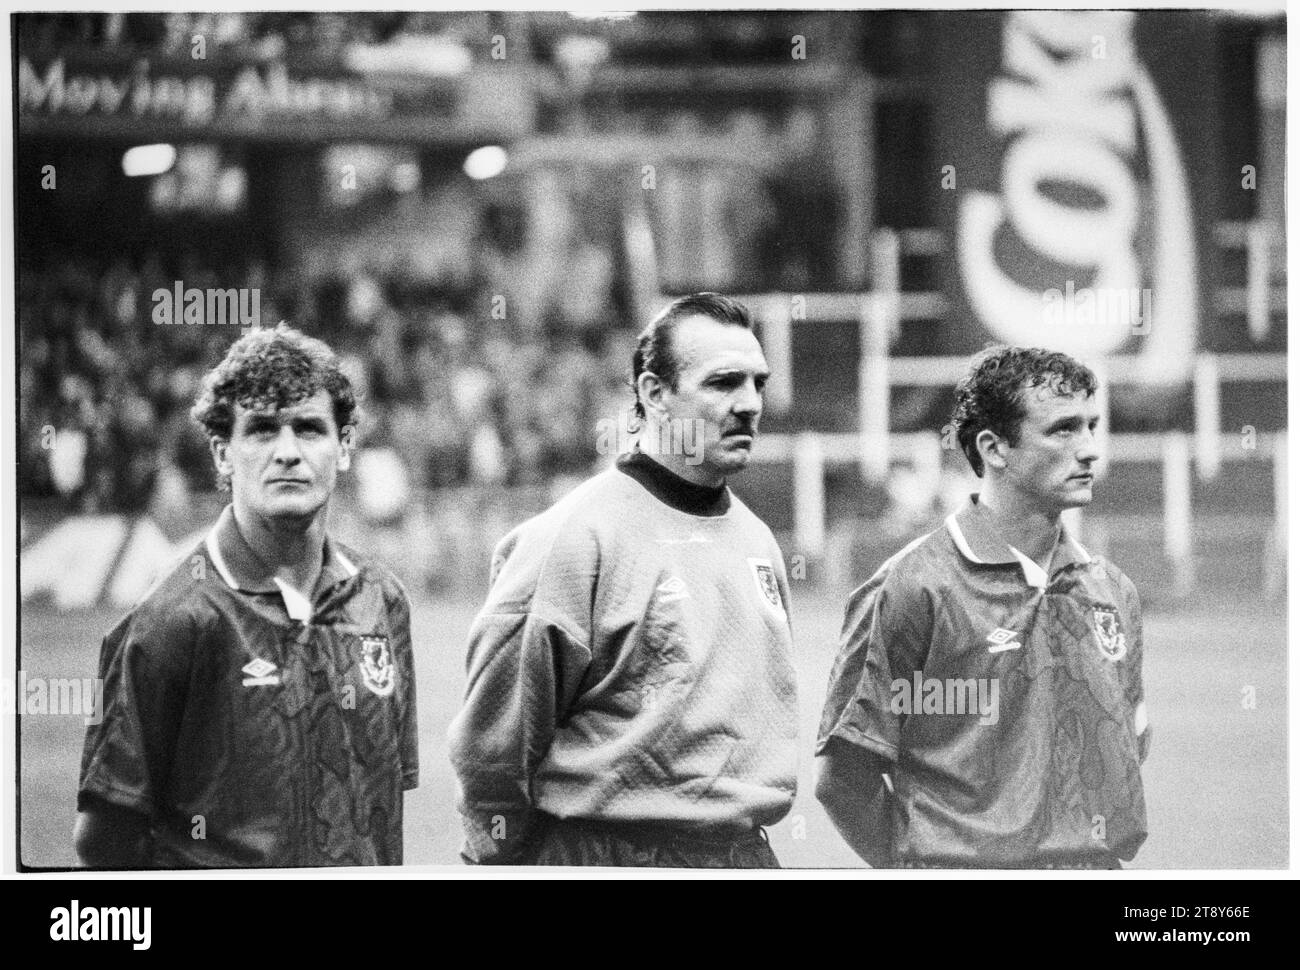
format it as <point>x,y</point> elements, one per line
<point>458,396</point>
<point>454,393</point>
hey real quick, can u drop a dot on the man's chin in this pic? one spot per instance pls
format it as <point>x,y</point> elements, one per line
<point>291,509</point>
<point>1078,497</point>
<point>732,459</point>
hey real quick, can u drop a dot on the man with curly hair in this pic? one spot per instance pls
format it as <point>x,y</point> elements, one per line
<point>986,706</point>
<point>260,701</point>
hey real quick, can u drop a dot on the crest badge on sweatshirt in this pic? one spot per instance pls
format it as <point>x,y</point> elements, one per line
<point>765,576</point>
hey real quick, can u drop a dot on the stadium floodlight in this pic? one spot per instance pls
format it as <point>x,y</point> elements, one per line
<point>429,56</point>
<point>485,162</point>
<point>148,160</point>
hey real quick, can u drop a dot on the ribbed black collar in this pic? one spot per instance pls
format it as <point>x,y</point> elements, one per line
<point>672,489</point>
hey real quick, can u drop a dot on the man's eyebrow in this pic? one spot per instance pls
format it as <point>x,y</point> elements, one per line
<point>1065,422</point>
<point>275,418</point>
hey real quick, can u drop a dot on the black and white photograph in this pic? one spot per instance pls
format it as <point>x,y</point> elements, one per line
<point>698,439</point>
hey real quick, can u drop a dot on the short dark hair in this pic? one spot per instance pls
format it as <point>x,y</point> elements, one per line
<point>654,347</point>
<point>992,395</point>
<point>272,369</point>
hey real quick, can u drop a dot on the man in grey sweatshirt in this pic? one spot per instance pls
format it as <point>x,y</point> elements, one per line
<point>631,690</point>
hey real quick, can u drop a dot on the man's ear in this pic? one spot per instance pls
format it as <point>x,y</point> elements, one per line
<point>992,447</point>
<point>651,388</point>
<point>220,448</point>
<point>347,441</point>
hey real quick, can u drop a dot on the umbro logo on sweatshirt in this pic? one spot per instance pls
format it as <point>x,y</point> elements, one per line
<point>672,589</point>
<point>694,537</point>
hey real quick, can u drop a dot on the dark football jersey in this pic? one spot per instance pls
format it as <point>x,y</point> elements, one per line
<point>253,737</point>
<point>1008,699</point>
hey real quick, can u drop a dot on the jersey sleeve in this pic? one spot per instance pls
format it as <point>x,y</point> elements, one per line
<point>528,654</point>
<point>1131,669</point>
<point>144,669</point>
<point>885,638</point>
<point>399,613</point>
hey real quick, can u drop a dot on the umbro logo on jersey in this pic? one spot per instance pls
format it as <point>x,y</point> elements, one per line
<point>1001,640</point>
<point>260,673</point>
<point>672,589</point>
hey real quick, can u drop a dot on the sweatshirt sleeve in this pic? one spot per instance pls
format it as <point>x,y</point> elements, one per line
<point>529,651</point>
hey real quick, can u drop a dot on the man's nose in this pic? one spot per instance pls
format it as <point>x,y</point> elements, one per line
<point>1088,449</point>
<point>749,400</point>
<point>287,451</point>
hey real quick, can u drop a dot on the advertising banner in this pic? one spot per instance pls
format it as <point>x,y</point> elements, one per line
<point>1076,154</point>
<point>119,97</point>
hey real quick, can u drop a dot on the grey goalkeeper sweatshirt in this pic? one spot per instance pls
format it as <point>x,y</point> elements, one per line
<point>633,662</point>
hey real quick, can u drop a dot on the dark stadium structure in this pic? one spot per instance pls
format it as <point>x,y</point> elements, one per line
<point>319,161</point>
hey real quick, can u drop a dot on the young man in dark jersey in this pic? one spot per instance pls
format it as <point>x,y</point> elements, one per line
<point>260,701</point>
<point>986,706</point>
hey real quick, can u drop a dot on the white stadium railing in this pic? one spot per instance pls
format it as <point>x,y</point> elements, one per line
<point>810,452</point>
<point>879,314</point>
